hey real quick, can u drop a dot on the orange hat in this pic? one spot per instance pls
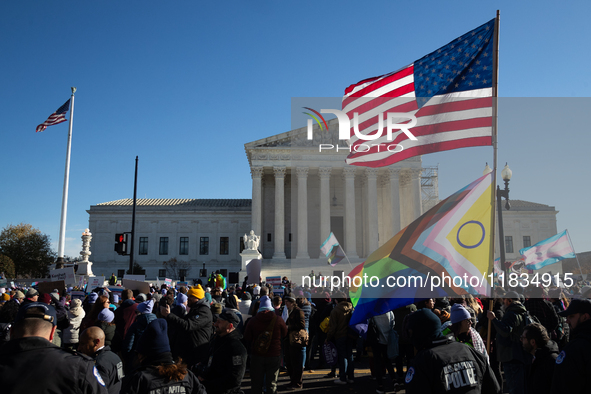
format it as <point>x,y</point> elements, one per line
<point>196,291</point>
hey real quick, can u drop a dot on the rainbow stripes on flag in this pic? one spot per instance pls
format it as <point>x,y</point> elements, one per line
<point>453,240</point>
<point>548,251</point>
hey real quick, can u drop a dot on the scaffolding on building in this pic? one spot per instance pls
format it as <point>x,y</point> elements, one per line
<point>429,187</point>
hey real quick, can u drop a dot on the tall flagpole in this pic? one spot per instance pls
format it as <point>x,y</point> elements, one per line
<point>62,237</point>
<point>493,182</point>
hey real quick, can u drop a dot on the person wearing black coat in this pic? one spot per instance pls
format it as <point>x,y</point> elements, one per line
<point>158,372</point>
<point>109,365</point>
<point>572,372</point>
<point>535,341</point>
<point>194,330</point>
<point>443,365</point>
<point>226,364</point>
<point>30,363</point>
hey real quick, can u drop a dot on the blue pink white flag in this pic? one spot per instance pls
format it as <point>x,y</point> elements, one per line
<point>333,250</point>
<point>548,251</point>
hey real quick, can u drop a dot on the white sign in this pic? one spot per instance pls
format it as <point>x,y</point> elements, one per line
<point>139,278</point>
<point>65,274</point>
<point>96,281</point>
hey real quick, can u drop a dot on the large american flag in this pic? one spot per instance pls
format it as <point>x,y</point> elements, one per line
<point>449,91</point>
<point>57,117</point>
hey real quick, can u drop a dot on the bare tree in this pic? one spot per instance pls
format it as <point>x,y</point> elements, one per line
<point>176,268</point>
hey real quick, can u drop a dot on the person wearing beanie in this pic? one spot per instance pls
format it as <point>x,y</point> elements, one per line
<point>105,322</point>
<point>196,292</point>
<point>443,365</point>
<point>32,295</point>
<point>157,371</point>
<point>265,356</point>
<point>462,330</point>
<point>180,305</point>
<point>71,333</point>
<point>130,342</point>
<point>190,334</point>
<point>19,297</point>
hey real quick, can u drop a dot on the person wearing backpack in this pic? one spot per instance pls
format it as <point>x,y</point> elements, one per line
<point>509,349</point>
<point>263,335</point>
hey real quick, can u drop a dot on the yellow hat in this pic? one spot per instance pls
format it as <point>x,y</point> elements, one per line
<point>196,291</point>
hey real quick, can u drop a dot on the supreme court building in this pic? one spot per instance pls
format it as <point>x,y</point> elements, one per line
<point>299,195</point>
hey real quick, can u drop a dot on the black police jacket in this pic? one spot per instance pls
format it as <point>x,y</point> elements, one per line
<point>111,369</point>
<point>35,365</point>
<point>146,380</point>
<point>450,367</point>
<point>226,364</point>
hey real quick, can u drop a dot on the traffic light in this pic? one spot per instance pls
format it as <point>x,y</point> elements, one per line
<point>121,243</point>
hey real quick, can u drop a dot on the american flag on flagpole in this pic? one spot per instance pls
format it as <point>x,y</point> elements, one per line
<point>449,91</point>
<point>57,117</point>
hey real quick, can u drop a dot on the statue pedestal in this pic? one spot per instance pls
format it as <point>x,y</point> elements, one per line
<point>248,255</point>
<point>85,269</point>
<point>85,266</point>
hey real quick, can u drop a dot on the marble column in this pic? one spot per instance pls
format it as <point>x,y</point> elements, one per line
<point>257,196</point>
<point>350,228</point>
<point>394,201</point>
<point>324,174</point>
<point>417,197</point>
<point>279,212</point>
<point>406,198</point>
<point>302,174</point>
<point>371,174</point>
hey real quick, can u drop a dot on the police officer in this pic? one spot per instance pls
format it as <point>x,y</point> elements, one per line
<point>110,366</point>
<point>443,365</point>
<point>227,357</point>
<point>572,372</point>
<point>30,363</point>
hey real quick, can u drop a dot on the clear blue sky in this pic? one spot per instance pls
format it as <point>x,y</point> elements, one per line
<point>186,84</point>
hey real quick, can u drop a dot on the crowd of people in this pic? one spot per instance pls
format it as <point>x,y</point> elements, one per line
<point>203,338</point>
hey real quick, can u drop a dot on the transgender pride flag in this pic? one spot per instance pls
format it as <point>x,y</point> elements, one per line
<point>548,251</point>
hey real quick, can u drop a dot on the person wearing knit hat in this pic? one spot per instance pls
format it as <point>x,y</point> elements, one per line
<point>155,352</point>
<point>71,334</point>
<point>105,322</point>
<point>442,364</point>
<point>144,317</point>
<point>5,297</point>
<point>145,307</point>
<point>180,305</point>
<point>265,304</point>
<point>459,314</point>
<point>196,292</point>
<point>19,296</point>
<point>92,297</point>
<point>192,330</point>
<point>106,315</point>
<point>45,298</point>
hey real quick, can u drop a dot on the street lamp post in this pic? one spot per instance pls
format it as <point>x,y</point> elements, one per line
<point>506,175</point>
